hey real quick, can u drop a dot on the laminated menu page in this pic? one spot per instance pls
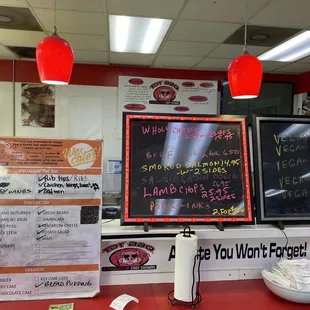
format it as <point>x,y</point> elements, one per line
<point>50,218</point>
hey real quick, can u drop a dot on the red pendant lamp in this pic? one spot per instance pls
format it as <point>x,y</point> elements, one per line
<point>245,72</point>
<point>54,60</point>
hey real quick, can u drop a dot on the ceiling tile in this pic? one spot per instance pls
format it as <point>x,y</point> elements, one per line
<point>176,61</point>
<point>19,18</point>
<point>232,51</point>
<point>294,68</point>
<point>23,52</point>
<point>76,5</point>
<point>145,8</point>
<point>305,60</point>
<point>73,21</point>
<point>5,53</point>
<point>190,30</point>
<point>131,59</point>
<point>90,57</point>
<point>86,42</point>
<point>270,66</point>
<point>21,38</point>
<point>221,10</point>
<point>284,13</point>
<point>181,48</point>
<point>272,35</point>
<point>46,4</point>
<point>19,3</point>
<point>214,63</point>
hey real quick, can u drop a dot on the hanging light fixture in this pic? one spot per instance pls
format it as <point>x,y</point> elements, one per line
<point>245,72</point>
<point>54,58</point>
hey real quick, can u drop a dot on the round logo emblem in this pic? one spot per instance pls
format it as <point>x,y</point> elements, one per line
<point>129,257</point>
<point>164,94</point>
<point>81,156</point>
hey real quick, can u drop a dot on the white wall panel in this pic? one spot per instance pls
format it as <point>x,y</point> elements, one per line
<point>85,117</point>
<point>6,109</point>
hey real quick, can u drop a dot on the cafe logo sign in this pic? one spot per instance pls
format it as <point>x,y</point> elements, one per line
<point>164,92</point>
<point>129,255</point>
<point>81,156</point>
<point>4,146</point>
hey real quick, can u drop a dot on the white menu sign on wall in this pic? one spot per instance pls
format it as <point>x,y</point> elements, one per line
<point>50,218</point>
<point>160,95</point>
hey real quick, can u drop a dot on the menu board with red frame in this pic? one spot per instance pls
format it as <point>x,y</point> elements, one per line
<point>185,169</point>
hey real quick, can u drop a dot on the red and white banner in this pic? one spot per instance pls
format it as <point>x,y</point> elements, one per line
<point>152,260</point>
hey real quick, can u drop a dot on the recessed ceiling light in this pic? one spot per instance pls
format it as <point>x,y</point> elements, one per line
<point>5,19</point>
<point>130,34</point>
<point>296,48</point>
<point>260,37</point>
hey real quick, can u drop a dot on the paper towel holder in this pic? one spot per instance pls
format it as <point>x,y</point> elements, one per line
<point>198,298</point>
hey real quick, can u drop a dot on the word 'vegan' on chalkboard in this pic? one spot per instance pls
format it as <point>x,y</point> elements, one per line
<point>282,168</point>
<point>185,169</point>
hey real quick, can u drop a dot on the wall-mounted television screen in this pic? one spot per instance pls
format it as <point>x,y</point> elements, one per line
<point>185,168</point>
<point>282,168</point>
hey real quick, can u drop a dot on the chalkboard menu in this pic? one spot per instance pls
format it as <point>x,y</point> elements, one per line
<point>185,169</point>
<point>282,169</point>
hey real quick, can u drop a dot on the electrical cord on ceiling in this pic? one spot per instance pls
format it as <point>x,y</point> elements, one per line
<point>245,25</point>
<point>55,9</point>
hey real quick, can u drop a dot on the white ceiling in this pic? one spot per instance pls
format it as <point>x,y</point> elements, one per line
<point>194,40</point>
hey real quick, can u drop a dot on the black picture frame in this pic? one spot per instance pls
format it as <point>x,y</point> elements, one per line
<point>261,217</point>
<point>186,221</point>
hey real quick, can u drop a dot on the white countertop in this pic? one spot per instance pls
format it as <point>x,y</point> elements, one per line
<point>113,228</point>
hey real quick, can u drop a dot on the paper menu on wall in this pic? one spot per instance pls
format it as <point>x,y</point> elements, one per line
<point>50,218</point>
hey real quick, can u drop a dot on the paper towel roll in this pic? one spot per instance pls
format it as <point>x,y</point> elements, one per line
<point>185,252</point>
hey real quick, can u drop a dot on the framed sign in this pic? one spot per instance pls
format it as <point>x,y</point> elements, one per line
<point>282,169</point>
<point>191,168</point>
<point>160,95</point>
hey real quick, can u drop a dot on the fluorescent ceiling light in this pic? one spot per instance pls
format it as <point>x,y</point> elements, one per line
<point>296,48</point>
<point>122,29</point>
<point>137,34</point>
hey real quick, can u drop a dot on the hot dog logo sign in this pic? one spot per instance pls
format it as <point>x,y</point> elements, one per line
<point>128,255</point>
<point>164,92</point>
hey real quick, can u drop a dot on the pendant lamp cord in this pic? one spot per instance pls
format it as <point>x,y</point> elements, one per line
<point>245,26</point>
<point>55,10</point>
